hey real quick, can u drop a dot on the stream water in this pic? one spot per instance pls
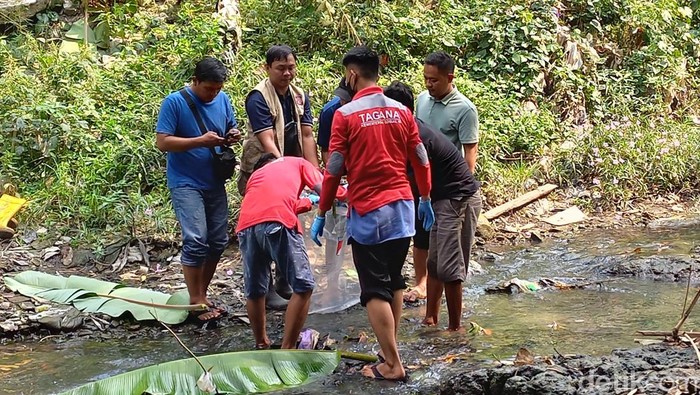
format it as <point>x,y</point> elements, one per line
<point>593,320</point>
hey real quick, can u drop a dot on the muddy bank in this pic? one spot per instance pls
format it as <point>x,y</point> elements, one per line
<point>651,370</point>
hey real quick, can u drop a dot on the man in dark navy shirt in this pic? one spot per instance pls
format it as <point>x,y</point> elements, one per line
<point>279,115</point>
<point>457,206</point>
<point>280,123</point>
<point>343,94</point>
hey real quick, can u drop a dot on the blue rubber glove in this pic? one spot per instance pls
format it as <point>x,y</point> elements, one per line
<point>317,229</point>
<point>425,213</point>
<point>314,198</point>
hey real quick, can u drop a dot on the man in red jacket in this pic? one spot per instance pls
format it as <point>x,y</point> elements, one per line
<point>372,138</point>
<point>269,230</point>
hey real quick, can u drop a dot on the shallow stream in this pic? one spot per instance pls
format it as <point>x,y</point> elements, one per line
<point>593,320</point>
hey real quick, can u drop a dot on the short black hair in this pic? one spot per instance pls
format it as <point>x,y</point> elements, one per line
<point>400,92</point>
<point>210,69</point>
<point>279,52</point>
<point>264,159</point>
<point>366,60</point>
<point>442,61</point>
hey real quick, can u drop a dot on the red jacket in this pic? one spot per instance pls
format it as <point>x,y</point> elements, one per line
<point>372,138</point>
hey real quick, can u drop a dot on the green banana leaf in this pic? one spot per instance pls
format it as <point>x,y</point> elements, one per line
<point>245,372</point>
<point>82,292</point>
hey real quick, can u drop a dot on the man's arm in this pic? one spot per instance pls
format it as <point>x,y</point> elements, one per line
<point>267,140</point>
<point>335,169</point>
<point>166,128</point>
<point>309,145</point>
<point>418,157</point>
<point>261,124</point>
<point>468,127</point>
<point>168,143</point>
<point>470,154</point>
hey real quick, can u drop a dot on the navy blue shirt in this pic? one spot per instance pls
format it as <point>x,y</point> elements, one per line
<point>260,118</point>
<point>325,119</point>
<point>194,168</point>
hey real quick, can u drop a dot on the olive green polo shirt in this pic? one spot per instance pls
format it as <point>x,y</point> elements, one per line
<point>455,116</point>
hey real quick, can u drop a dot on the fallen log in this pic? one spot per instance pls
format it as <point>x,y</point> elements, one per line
<point>520,201</point>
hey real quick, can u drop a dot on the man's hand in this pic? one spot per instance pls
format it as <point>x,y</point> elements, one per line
<point>232,136</point>
<point>317,229</point>
<point>425,213</point>
<point>314,198</point>
<point>211,139</point>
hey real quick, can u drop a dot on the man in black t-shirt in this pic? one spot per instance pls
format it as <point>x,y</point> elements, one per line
<point>456,213</point>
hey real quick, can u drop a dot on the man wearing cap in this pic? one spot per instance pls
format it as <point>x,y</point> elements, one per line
<point>343,94</point>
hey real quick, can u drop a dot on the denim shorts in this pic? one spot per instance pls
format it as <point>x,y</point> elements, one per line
<point>203,218</point>
<point>264,243</point>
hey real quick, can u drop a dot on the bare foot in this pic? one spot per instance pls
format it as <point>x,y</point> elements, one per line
<point>382,371</point>
<point>415,294</point>
<point>430,321</point>
<point>265,345</point>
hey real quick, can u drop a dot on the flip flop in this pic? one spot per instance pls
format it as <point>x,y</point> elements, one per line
<point>379,376</point>
<point>380,358</point>
<point>196,316</point>
<point>220,308</point>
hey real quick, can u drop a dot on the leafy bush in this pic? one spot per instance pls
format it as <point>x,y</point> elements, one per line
<point>566,92</point>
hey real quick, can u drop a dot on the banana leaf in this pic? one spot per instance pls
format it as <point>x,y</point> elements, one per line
<point>84,293</point>
<point>245,372</point>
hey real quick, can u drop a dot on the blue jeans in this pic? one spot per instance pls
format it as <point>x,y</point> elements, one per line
<point>203,217</point>
<point>271,241</point>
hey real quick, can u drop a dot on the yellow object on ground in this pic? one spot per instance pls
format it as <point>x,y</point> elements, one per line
<point>9,206</point>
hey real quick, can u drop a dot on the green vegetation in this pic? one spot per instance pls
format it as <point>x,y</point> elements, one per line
<point>595,94</point>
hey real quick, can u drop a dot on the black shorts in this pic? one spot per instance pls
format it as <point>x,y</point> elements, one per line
<point>379,268</point>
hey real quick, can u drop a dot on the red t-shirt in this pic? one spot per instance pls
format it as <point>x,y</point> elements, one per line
<point>272,193</point>
<point>374,136</point>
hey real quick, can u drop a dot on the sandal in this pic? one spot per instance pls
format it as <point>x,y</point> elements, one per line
<point>378,375</point>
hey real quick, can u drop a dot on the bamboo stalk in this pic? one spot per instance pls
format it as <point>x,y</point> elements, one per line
<point>692,343</point>
<point>687,289</point>
<point>180,341</point>
<point>685,315</point>
<point>158,305</point>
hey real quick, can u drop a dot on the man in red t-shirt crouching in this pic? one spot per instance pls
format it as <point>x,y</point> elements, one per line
<point>269,230</point>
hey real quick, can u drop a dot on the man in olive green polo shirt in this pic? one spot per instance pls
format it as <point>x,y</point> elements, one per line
<point>444,108</point>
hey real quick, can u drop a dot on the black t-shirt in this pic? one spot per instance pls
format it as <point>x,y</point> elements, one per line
<point>451,177</point>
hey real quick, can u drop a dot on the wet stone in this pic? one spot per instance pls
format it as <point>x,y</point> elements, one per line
<point>651,370</point>
<point>27,306</point>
